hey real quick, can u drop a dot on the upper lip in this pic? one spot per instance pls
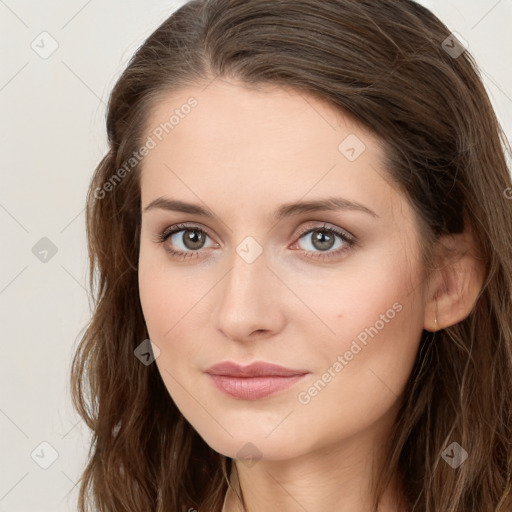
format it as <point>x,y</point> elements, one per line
<point>256,369</point>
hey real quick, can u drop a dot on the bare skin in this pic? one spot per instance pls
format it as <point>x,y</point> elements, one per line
<point>242,154</point>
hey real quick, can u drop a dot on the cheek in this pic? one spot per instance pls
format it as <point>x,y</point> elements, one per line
<point>154,301</point>
<point>360,378</point>
<point>364,292</point>
<point>378,323</point>
<point>165,294</point>
<point>171,302</point>
<point>376,319</point>
<point>164,305</point>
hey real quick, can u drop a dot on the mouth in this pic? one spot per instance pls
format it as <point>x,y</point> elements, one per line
<point>254,381</point>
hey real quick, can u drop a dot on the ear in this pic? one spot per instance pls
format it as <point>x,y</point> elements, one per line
<point>456,282</point>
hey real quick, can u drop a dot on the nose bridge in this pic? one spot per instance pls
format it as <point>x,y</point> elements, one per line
<point>248,298</point>
<point>248,277</point>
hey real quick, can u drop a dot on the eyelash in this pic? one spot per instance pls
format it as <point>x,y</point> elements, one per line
<point>349,240</point>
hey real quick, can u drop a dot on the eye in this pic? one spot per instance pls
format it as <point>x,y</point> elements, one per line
<point>190,239</point>
<point>189,243</point>
<point>323,240</point>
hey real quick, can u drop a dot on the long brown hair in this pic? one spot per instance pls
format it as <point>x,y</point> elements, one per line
<point>387,63</point>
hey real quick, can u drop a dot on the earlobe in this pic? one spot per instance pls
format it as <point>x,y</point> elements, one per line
<point>455,284</point>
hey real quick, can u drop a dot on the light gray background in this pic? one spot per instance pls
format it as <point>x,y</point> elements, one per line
<point>52,135</point>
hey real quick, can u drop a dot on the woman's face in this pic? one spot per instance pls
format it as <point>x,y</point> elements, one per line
<point>261,281</point>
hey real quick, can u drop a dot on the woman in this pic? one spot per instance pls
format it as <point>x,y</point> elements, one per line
<point>304,279</point>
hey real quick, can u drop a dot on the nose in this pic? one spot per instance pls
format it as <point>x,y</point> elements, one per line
<point>250,300</point>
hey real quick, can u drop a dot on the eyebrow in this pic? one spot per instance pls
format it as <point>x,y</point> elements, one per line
<point>285,210</point>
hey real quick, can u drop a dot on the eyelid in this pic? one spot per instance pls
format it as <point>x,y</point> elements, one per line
<point>314,226</point>
<point>181,226</point>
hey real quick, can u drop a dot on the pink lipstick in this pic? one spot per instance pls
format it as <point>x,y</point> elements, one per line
<point>254,381</point>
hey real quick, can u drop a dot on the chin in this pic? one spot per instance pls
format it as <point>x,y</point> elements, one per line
<point>251,445</point>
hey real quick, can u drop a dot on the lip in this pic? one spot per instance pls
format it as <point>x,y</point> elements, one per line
<point>254,381</point>
<point>256,369</point>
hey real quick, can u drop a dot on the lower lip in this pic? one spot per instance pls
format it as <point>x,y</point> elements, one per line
<point>253,388</point>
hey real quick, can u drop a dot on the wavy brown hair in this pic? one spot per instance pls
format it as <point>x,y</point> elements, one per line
<point>383,61</point>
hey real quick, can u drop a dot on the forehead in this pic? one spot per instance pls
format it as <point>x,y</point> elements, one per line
<point>227,113</point>
<point>267,144</point>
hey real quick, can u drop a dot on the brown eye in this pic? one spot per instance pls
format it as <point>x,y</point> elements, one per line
<point>193,239</point>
